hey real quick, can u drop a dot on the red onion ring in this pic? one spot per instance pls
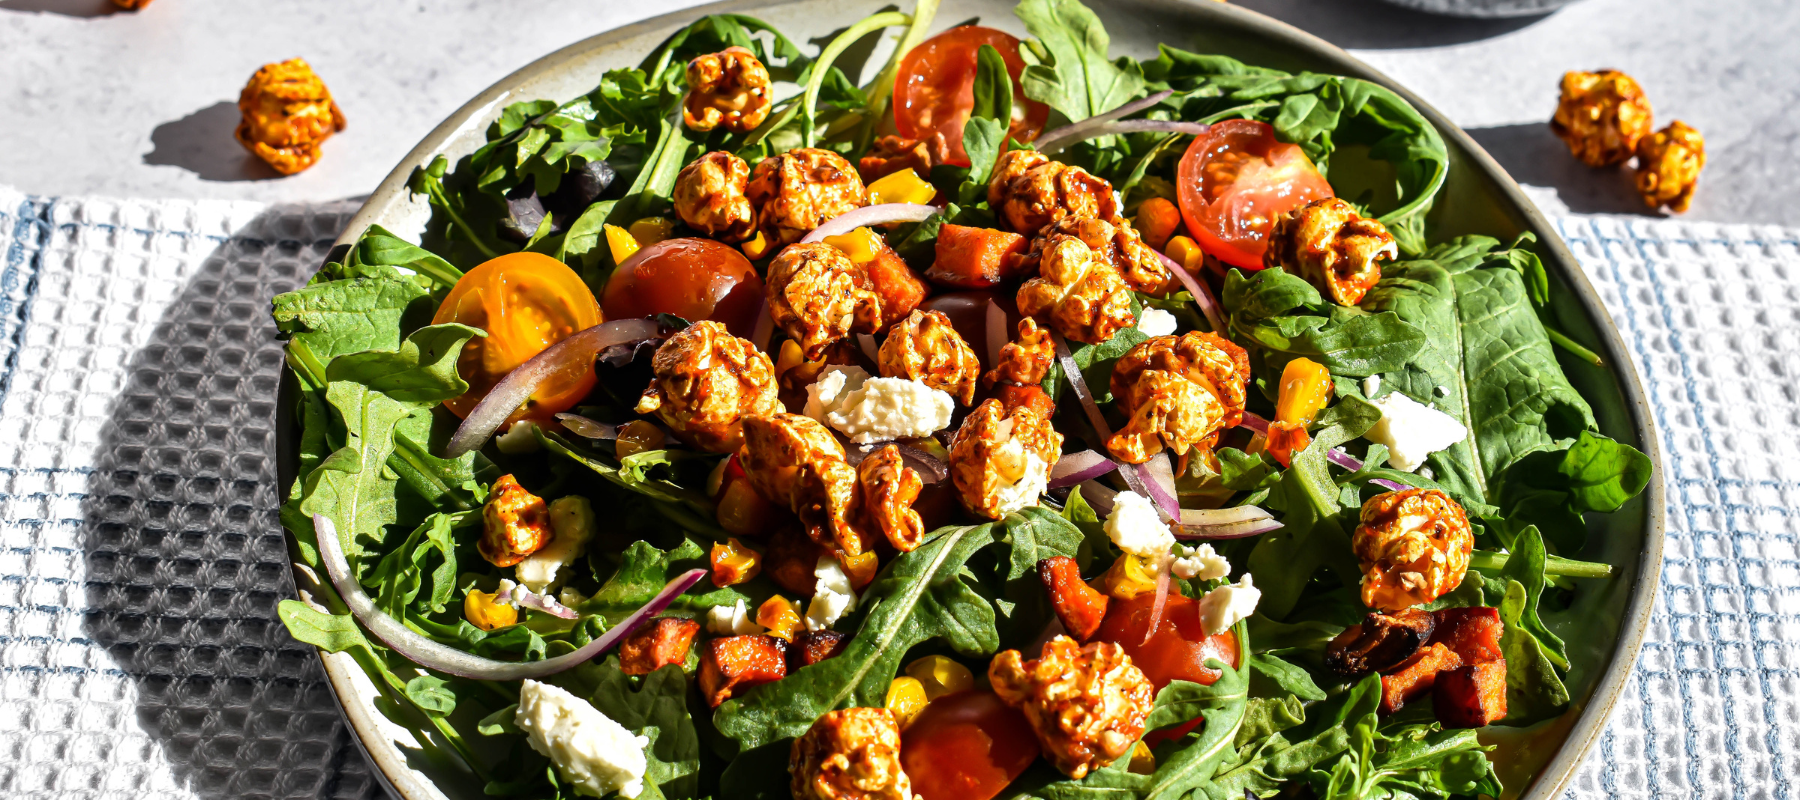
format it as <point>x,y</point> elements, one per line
<point>1234,530</point>
<point>1078,384</point>
<point>866,343</point>
<point>517,386</point>
<point>435,655</point>
<point>1201,292</point>
<point>1077,467</point>
<point>1254,423</point>
<point>996,333</point>
<point>587,428</point>
<point>1160,478</point>
<point>870,215</point>
<point>1162,598</point>
<point>1225,523</point>
<point>765,327</point>
<point>1063,137</point>
<point>1099,497</point>
<point>1080,131</point>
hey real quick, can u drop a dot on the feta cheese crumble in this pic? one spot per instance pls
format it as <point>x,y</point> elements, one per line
<point>518,439</point>
<point>1221,608</point>
<point>832,596</point>
<point>1412,430</point>
<point>1137,527</point>
<point>571,526</point>
<point>593,752</point>
<point>1199,562</point>
<point>869,409</point>
<point>826,394</point>
<point>731,620</point>
<point>1371,385</point>
<point>1156,322</point>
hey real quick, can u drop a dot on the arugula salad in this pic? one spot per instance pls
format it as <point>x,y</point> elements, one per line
<point>1026,421</point>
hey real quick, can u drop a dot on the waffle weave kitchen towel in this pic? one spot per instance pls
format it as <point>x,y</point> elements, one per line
<point>141,559</point>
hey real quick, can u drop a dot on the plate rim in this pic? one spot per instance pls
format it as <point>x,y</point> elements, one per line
<point>400,780</point>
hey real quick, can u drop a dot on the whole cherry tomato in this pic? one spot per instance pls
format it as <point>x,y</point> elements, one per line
<point>694,279</point>
<point>966,746</point>
<point>1179,648</point>
<point>935,89</point>
<point>526,302</point>
<point>1235,181</point>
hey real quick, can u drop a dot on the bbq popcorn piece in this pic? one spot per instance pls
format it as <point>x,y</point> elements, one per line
<point>288,114</point>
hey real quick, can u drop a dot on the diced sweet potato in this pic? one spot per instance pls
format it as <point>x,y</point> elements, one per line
<point>663,642</point>
<point>898,285</point>
<point>1077,604</point>
<point>1380,642</point>
<point>812,647</point>
<point>974,258</point>
<point>791,559</point>
<point>1415,676</point>
<point>1473,632</point>
<point>730,665</point>
<point>1015,396</point>
<point>1472,695</point>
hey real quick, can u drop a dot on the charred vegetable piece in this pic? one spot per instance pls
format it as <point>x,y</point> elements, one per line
<point>1474,632</point>
<point>733,563</point>
<point>516,523</point>
<point>1077,604</point>
<point>1380,642</point>
<point>1414,677</point>
<point>731,665</point>
<point>898,285</point>
<point>1470,696</point>
<point>974,258</point>
<point>663,642</point>
<point>812,647</point>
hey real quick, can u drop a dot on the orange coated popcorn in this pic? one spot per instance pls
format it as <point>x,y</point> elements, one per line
<point>1414,546</point>
<point>709,197</point>
<point>729,88</point>
<point>1601,116</point>
<point>850,754</point>
<point>1087,705</point>
<point>926,348</point>
<point>706,382</point>
<point>800,189</point>
<point>287,114</point>
<point>1334,248</point>
<point>1177,392</point>
<point>1028,191</point>
<point>1669,164</point>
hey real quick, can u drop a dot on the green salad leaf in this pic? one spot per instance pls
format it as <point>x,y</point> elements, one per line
<point>1285,318</point>
<point>1313,534</point>
<point>1072,73</point>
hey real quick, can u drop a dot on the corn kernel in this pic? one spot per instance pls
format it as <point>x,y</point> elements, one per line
<point>861,568</point>
<point>1305,389</point>
<point>1128,577</point>
<point>620,242</point>
<point>1157,220</point>
<point>481,611</point>
<point>780,615</point>
<point>904,186</point>
<point>861,245</point>
<point>1186,252</point>
<point>906,698</point>
<point>636,437</point>
<point>756,248</point>
<point>941,676</point>
<point>733,563</point>
<point>650,230</point>
<point>1143,762</point>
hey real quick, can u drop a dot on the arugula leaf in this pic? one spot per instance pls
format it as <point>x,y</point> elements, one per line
<point>685,507</point>
<point>989,119</point>
<point>379,246</point>
<point>1533,653</point>
<point>1290,678</point>
<point>930,593</point>
<point>1405,760</point>
<point>400,575</point>
<point>644,570</point>
<point>432,695</point>
<point>1312,534</point>
<point>333,633</point>
<point>1073,74</point>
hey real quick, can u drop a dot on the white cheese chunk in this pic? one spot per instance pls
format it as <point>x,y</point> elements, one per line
<point>1156,322</point>
<point>518,439</point>
<point>884,409</point>
<point>1136,527</point>
<point>832,596</point>
<point>571,526</point>
<point>1221,608</point>
<point>826,394</point>
<point>1412,430</point>
<point>1371,385</point>
<point>731,620</point>
<point>1033,480</point>
<point>593,752</point>
<point>1199,562</point>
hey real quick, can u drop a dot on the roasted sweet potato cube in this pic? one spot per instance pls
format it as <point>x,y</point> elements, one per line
<point>1472,695</point>
<point>1077,604</point>
<point>1415,676</point>
<point>812,647</point>
<point>663,642</point>
<point>1473,632</point>
<point>975,258</point>
<point>730,665</point>
<point>898,285</point>
<point>1015,396</point>
<point>1380,642</point>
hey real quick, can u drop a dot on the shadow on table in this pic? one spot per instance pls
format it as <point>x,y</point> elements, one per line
<point>67,8</point>
<point>185,556</point>
<point>202,143</point>
<point>1534,156</point>
<point>1374,25</point>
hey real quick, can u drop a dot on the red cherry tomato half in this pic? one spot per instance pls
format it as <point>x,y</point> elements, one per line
<point>935,90</point>
<point>1180,647</point>
<point>966,746</point>
<point>694,279</point>
<point>1234,182</point>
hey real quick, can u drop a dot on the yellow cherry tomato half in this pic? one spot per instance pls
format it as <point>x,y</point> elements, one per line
<point>526,302</point>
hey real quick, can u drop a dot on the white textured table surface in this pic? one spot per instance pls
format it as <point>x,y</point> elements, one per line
<point>141,104</point>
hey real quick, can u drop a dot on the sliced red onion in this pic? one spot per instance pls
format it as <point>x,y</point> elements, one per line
<point>1064,137</point>
<point>434,655</point>
<point>587,428</point>
<point>1162,598</point>
<point>1161,479</point>
<point>866,343</point>
<point>1077,467</point>
<point>1230,530</point>
<point>996,333</point>
<point>526,598</point>
<point>870,215</point>
<point>575,352</point>
<point>1099,496</point>
<point>1080,131</point>
<point>1078,384</point>
<point>1198,288</point>
<point>1210,517</point>
<point>765,327</point>
<point>1255,423</point>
